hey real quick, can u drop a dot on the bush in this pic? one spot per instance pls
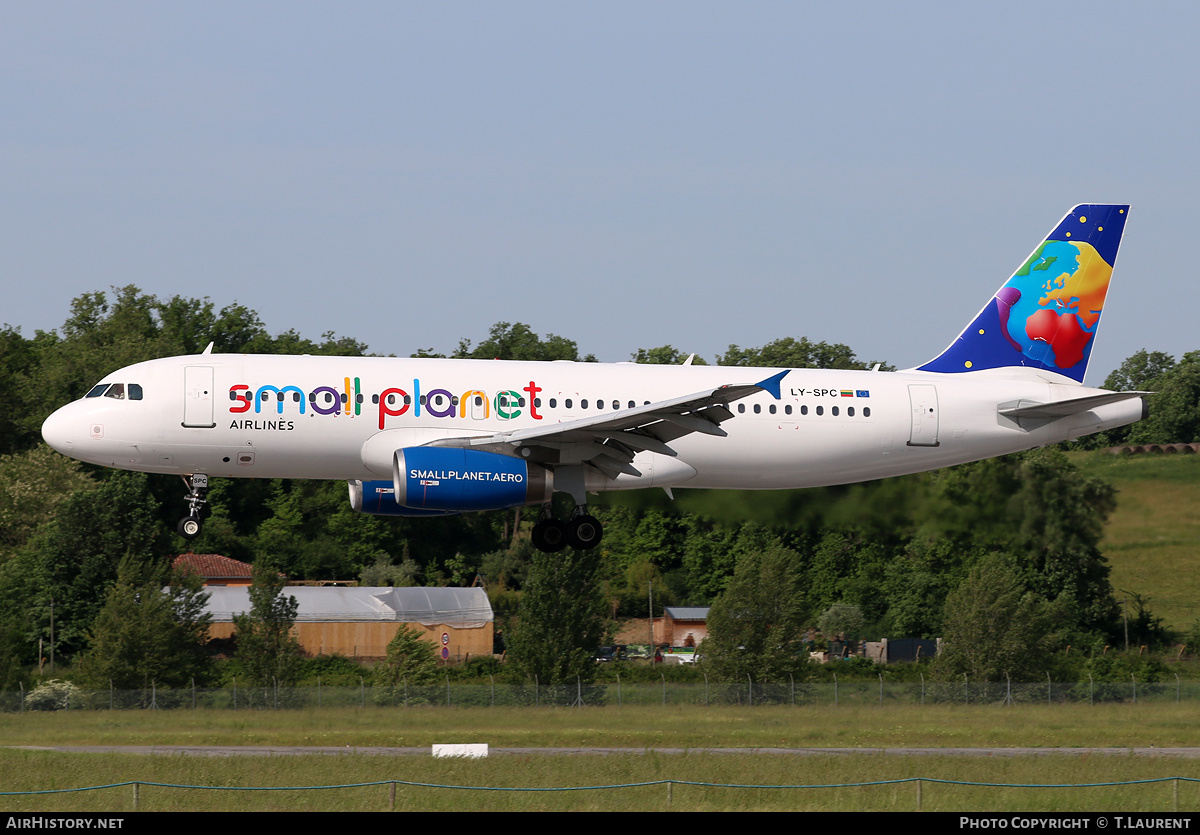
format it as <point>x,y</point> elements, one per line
<point>333,671</point>
<point>54,694</point>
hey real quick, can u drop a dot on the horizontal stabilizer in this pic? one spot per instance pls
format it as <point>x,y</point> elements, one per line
<point>1063,408</point>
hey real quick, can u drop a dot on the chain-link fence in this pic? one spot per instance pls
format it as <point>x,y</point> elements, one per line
<point>65,696</point>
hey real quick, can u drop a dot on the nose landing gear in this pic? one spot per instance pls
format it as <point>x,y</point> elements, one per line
<point>189,526</point>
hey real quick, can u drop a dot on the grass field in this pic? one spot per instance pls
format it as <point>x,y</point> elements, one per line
<point>1152,542</point>
<point>639,728</point>
<point>1153,539</point>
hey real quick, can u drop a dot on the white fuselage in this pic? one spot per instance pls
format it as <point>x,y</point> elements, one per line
<point>344,417</point>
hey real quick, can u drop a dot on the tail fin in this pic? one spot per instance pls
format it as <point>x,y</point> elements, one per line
<point>1046,315</point>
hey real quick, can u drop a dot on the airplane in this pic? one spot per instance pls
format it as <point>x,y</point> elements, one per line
<point>432,437</point>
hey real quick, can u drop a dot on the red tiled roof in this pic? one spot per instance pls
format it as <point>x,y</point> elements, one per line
<point>215,566</point>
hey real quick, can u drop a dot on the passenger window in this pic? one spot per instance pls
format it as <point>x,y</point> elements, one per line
<point>771,408</point>
<point>757,409</point>
<point>850,411</point>
<point>553,402</point>
<point>820,410</point>
<point>741,408</point>
<point>787,410</point>
<point>866,411</point>
<point>835,411</point>
<point>583,404</point>
<point>568,402</point>
<point>804,410</point>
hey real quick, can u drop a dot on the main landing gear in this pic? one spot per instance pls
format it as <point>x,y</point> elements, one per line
<point>581,532</point>
<point>189,526</point>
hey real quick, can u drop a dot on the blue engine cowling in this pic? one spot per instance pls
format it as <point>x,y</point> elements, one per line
<point>456,480</point>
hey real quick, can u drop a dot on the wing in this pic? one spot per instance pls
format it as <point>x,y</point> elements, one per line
<point>610,441</point>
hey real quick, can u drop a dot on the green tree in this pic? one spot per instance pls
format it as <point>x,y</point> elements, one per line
<point>517,342</point>
<point>145,634</point>
<point>801,353</point>
<point>410,659</point>
<point>1174,407</point>
<point>664,355</point>
<point>1140,372</point>
<point>997,627</point>
<point>756,627</point>
<point>384,573</point>
<point>1039,508</point>
<point>73,559</point>
<point>561,620</point>
<point>17,360</point>
<point>841,620</point>
<point>266,647</point>
<point>33,484</point>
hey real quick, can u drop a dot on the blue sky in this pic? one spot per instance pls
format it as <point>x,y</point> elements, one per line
<point>624,174</point>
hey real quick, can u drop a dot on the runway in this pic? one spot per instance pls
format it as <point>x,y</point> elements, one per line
<point>381,751</point>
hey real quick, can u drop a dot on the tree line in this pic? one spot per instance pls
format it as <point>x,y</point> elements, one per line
<point>771,564</point>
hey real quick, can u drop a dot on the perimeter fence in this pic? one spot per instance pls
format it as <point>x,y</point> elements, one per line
<point>1126,795</point>
<point>64,696</point>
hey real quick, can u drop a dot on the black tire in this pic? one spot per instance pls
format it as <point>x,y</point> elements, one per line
<point>189,527</point>
<point>549,535</point>
<point>584,532</point>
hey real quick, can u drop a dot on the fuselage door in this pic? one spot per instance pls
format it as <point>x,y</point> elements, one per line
<point>923,401</point>
<point>198,396</point>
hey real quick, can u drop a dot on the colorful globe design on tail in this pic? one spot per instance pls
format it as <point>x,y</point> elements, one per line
<point>1046,315</point>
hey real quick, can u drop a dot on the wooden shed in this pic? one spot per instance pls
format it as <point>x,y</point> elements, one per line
<point>359,622</point>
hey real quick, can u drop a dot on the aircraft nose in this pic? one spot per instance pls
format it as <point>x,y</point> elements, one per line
<point>57,432</point>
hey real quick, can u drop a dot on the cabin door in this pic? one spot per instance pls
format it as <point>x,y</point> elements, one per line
<point>923,402</point>
<point>198,396</point>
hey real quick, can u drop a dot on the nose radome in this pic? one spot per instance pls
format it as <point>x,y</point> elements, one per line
<point>57,432</point>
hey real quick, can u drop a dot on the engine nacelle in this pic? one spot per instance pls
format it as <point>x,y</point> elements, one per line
<point>457,480</point>
<point>378,498</point>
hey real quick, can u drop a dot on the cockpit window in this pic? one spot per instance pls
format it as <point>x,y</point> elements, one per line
<point>117,391</point>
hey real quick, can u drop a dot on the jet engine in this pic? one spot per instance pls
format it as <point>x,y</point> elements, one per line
<point>459,480</point>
